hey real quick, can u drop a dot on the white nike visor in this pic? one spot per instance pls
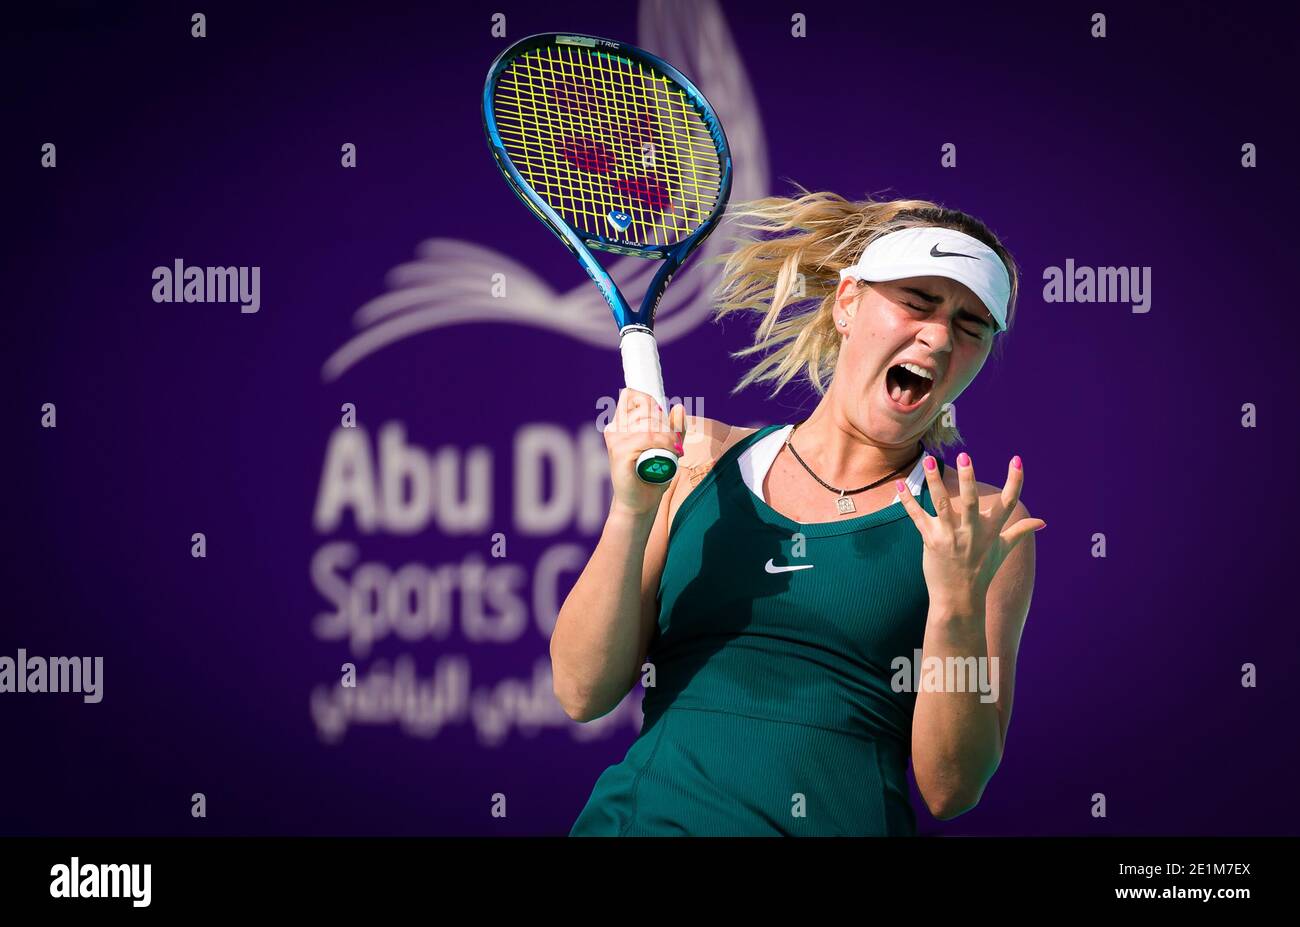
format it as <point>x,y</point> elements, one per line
<point>939,252</point>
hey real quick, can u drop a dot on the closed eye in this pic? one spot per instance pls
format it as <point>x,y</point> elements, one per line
<point>973,334</point>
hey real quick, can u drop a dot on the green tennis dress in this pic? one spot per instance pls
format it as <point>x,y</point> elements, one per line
<point>772,711</point>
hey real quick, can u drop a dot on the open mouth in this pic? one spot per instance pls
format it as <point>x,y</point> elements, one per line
<point>906,390</point>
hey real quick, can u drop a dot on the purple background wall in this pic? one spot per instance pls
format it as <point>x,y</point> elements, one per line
<point>183,418</point>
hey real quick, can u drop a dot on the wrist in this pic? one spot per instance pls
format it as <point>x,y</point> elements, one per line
<point>965,607</point>
<point>621,515</point>
<point>956,628</point>
<point>958,597</point>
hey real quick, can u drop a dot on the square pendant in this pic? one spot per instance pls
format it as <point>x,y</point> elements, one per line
<point>845,505</point>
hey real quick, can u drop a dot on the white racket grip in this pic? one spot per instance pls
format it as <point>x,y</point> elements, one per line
<point>641,364</point>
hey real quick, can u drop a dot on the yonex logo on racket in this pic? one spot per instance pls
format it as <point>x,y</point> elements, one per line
<point>619,219</point>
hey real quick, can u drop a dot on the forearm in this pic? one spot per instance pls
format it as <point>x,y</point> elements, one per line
<point>596,641</point>
<point>956,735</point>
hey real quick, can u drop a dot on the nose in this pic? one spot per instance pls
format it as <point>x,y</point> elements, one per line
<point>936,336</point>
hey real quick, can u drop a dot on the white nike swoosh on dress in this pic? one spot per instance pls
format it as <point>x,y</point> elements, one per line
<point>772,568</point>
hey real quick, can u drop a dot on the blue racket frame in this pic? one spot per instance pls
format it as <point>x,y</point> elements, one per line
<point>580,243</point>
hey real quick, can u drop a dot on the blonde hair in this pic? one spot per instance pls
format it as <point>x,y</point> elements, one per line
<point>811,237</point>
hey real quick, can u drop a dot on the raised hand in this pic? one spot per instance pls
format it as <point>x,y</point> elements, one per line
<point>637,425</point>
<point>964,547</point>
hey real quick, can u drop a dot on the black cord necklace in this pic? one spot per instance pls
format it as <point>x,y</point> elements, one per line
<point>844,504</point>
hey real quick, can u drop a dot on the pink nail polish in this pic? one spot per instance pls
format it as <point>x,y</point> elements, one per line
<point>963,459</point>
<point>930,464</point>
<point>1017,463</point>
<point>900,486</point>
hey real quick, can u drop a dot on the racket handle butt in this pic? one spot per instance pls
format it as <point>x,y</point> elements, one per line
<point>656,465</point>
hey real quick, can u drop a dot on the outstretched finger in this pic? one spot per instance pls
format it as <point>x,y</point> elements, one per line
<point>968,502</point>
<point>913,508</point>
<point>1019,531</point>
<point>938,492</point>
<point>1011,489</point>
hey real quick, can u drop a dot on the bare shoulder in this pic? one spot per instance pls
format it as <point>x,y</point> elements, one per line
<point>707,439</point>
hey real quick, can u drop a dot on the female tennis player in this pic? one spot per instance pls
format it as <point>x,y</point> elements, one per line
<point>775,597</point>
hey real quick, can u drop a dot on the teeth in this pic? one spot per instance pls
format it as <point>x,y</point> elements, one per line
<point>904,396</point>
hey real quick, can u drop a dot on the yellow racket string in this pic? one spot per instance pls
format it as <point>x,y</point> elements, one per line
<point>593,133</point>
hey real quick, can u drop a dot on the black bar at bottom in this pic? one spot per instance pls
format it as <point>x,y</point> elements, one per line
<point>373,875</point>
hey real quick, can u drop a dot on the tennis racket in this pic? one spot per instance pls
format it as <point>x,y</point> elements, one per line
<point>614,150</point>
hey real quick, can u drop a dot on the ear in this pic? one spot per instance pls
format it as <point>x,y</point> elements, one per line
<point>848,292</point>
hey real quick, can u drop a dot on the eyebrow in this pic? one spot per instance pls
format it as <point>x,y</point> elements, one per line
<point>932,298</point>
